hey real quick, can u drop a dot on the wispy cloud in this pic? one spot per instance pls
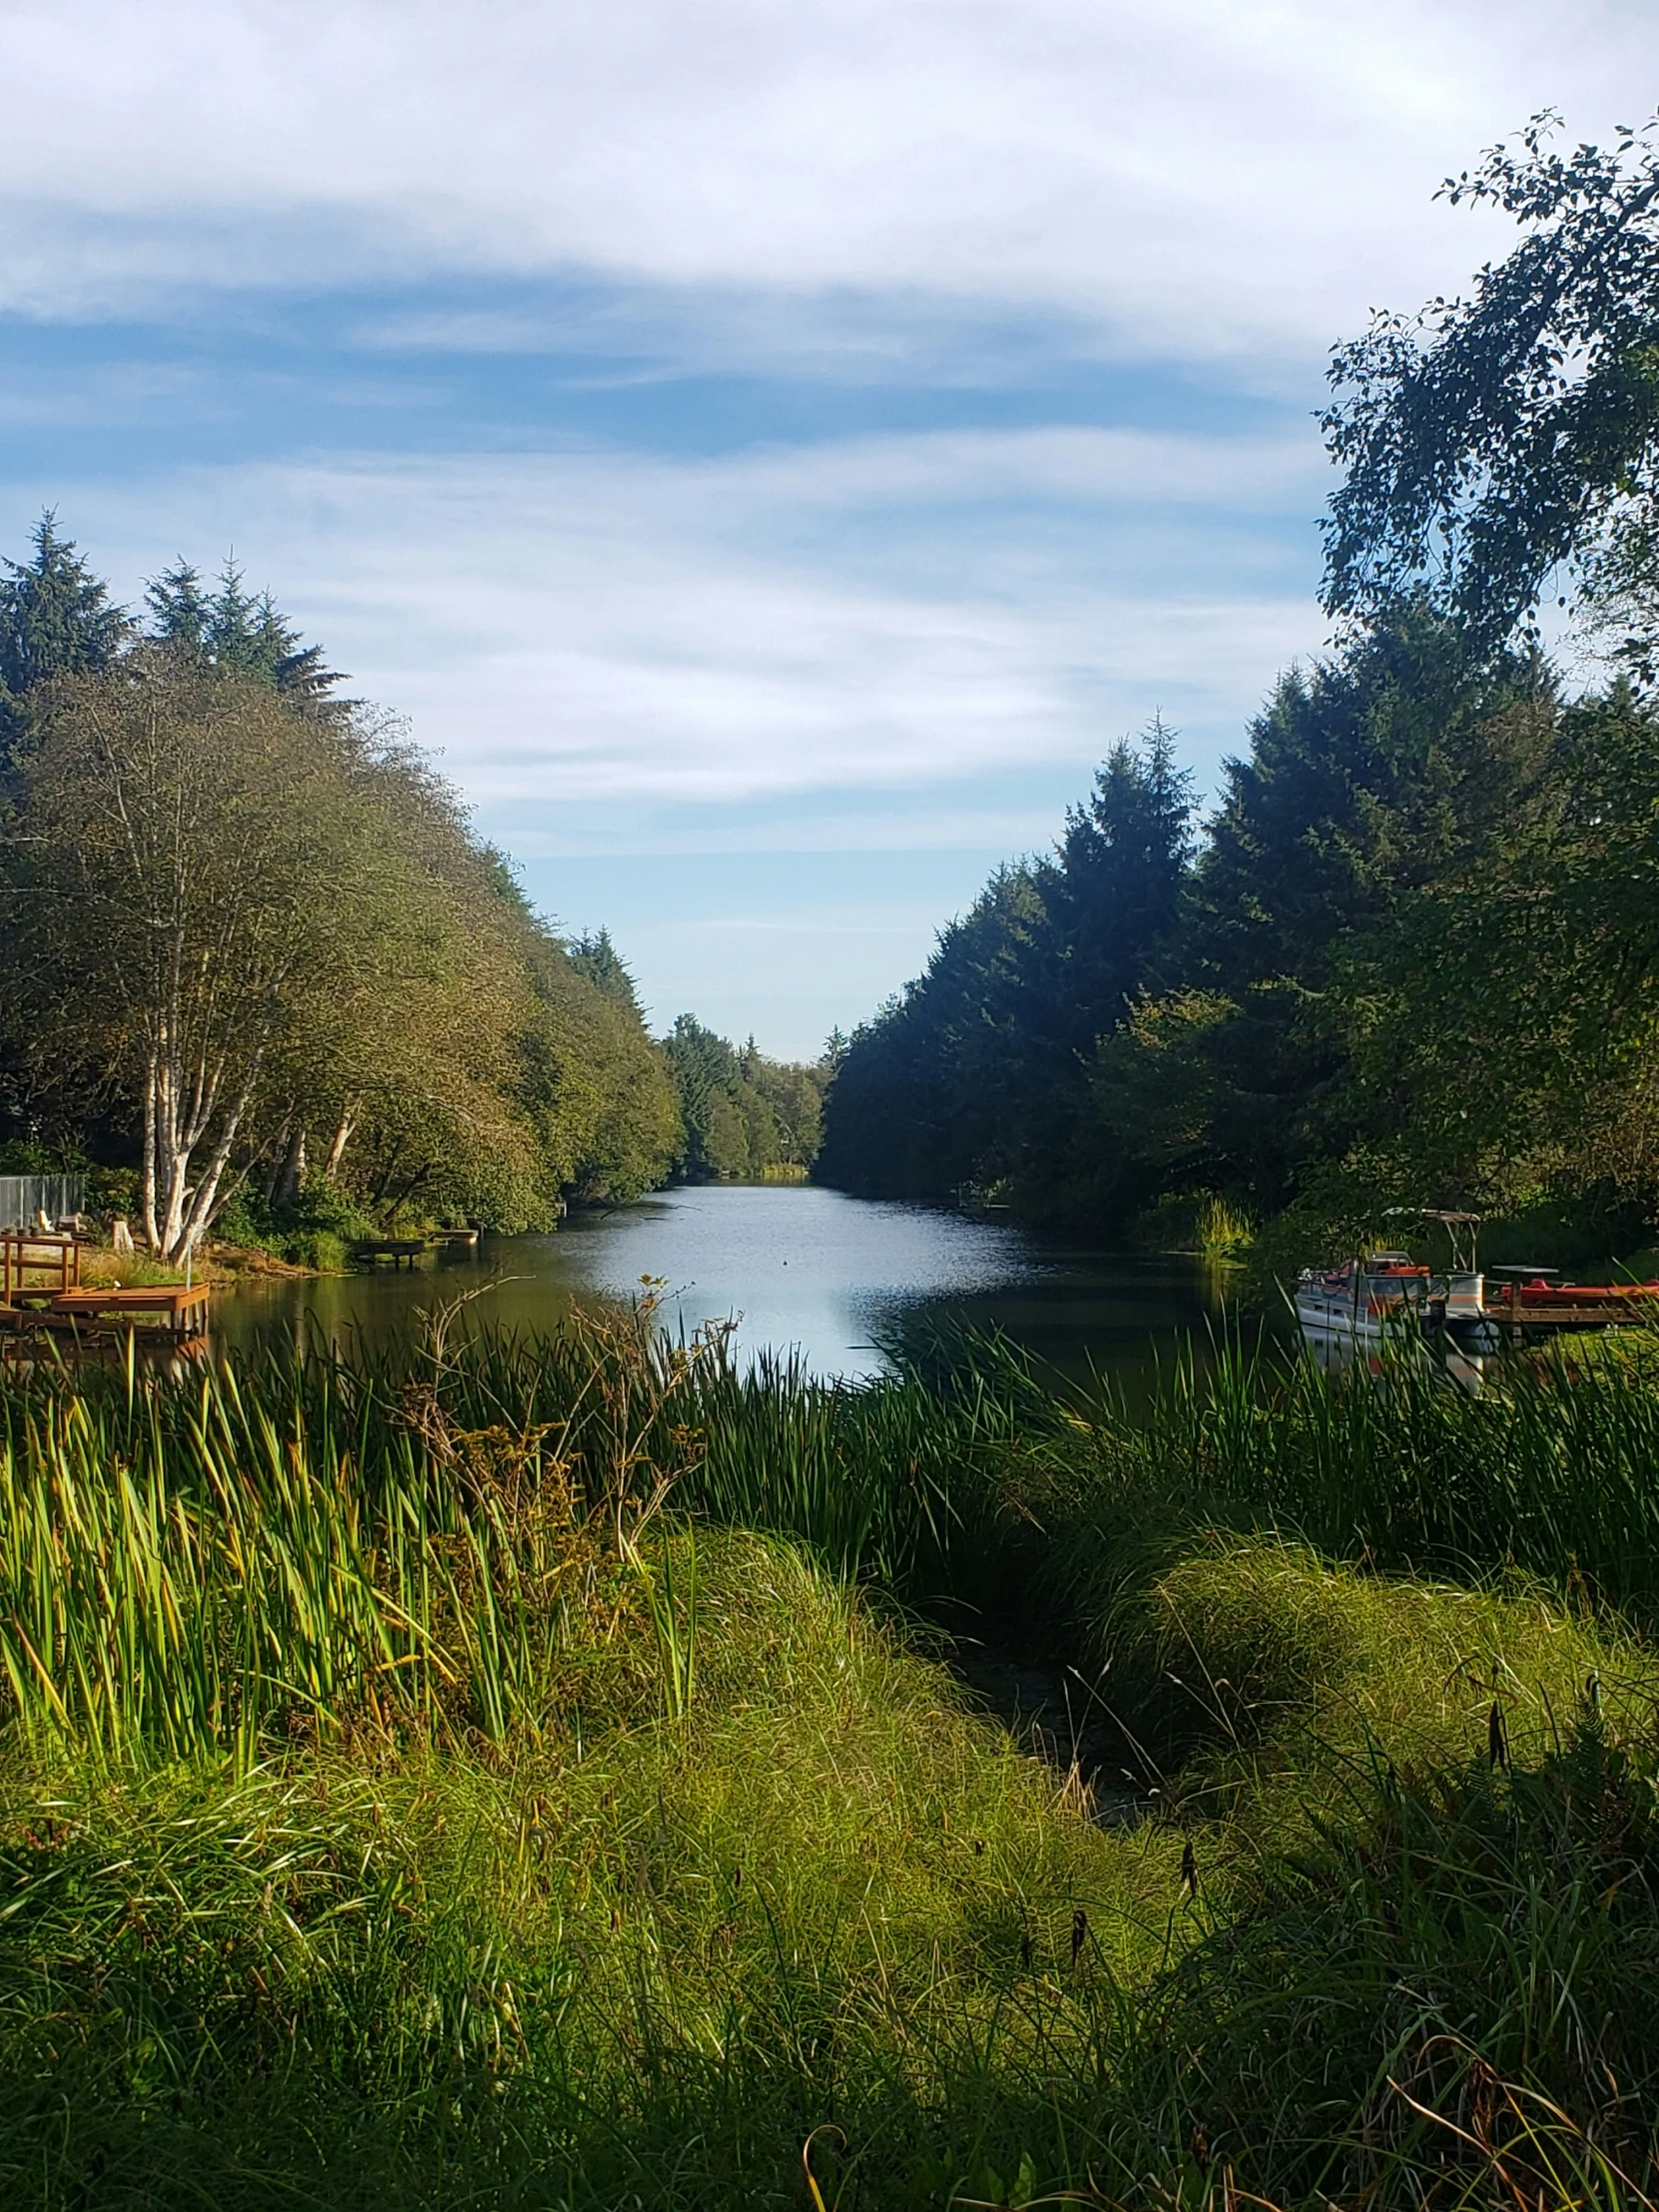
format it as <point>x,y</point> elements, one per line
<point>713,241</point>
<point>870,615</point>
<point>1198,177</point>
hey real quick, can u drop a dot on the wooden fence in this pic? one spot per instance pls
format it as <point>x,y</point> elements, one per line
<point>22,1197</point>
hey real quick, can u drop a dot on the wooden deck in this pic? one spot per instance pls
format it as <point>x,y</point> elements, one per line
<point>1572,1306</point>
<point>175,1305</point>
<point>30,1252</point>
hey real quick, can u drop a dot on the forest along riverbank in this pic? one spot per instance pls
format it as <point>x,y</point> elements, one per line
<point>442,1776</point>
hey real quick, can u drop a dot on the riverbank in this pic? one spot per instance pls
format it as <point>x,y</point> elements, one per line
<point>510,1778</point>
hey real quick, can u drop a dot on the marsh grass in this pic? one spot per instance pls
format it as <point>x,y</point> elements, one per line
<point>332,1544</point>
<point>1549,1471</point>
<point>640,1974</point>
<point>517,1774</point>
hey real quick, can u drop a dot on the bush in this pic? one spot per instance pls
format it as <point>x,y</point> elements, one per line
<point>315,1231</point>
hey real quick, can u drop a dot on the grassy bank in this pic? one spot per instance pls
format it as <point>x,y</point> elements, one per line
<point>510,1779</point>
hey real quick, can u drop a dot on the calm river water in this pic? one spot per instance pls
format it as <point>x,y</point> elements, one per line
<point>811,1270</point>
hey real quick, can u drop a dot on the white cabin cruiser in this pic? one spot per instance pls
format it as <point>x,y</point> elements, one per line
<point>1363,1297</point>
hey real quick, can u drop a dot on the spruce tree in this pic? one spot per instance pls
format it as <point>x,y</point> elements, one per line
<point>56,619</point>
<point>228,629</point>
<point>595,957</point>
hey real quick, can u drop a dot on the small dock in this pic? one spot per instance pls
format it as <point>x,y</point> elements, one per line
<point>41,1288</point>
<point>177,1305</point>
<point>1570,1306</point>
<point>178,1308</point>
<point>403,1251</point>
<point>53,1260</point>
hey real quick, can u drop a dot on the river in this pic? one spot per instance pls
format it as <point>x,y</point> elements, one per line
<point>831,1277</point>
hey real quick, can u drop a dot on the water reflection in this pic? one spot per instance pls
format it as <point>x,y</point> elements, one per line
<point>1335,1352</point>
<point>811,1271</point>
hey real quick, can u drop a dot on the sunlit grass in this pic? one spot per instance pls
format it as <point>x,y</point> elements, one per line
<point>421,1786</point>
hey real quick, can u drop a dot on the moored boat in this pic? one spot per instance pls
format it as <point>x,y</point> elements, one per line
<point>1364,1297</point>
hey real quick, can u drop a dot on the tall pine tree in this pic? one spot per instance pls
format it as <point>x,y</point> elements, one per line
<point>56,619</point>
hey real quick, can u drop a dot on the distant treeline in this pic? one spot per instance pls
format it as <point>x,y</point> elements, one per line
<point>1409,958</point>
<point>255,965</point>
<point>743,1113</point>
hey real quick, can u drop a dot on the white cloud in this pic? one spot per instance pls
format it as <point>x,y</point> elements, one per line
<point>1202,176</point>
<point>584,627</point>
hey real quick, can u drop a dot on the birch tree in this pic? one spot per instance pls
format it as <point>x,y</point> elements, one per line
<point>201,867</point>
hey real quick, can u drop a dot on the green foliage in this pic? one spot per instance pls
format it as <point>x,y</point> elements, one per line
<point>316,1228</point>
<point>1489,440</point>
<point>435,1815</point>
<point>226,629</point>
<point>594,1086</point>
<point>978,1074</point>
<point>56,619</point>
<point>1410,961</point>
<point>596,958</point>
<point>645,1970</point>
<point>741,1112</point>
<point>300,957</point>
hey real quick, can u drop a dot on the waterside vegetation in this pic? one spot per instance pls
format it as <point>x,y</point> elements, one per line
<point>540,1771</point>
<point>529,1771</point>
<point>258,974</point>
<point>743,1113</point>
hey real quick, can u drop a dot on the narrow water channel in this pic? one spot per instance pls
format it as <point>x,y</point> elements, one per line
<point>831,1278</point>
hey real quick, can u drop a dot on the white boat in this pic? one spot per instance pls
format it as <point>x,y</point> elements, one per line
<point>1363,1298</point>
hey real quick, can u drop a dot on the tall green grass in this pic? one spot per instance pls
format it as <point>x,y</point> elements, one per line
<point>416,1786</point>
<point>414,1540</point>
<point>1552,1470</point>
<point>417,1541</point>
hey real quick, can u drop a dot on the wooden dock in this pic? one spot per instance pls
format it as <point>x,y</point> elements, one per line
<point>403,1251</point>
<point>1520,1308</point>
<point>177,1307</point>
<point>41,1289</point>
<point>29,1251</point>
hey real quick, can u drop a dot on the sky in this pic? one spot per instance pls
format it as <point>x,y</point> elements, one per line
<point>767,452</point>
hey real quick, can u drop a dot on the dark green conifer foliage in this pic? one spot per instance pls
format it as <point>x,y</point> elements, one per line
<point>978,1074</point>
<point>246,636</point>
<point>1117,891</point>
<point>595,957</point>
<point>56,619</point>
<point>742,1112</point>
<point>1366,775</point>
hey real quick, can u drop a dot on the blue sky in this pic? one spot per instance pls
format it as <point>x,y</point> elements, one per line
<point>770,453</point>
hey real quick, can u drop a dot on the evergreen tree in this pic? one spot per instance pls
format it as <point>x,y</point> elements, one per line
<point>1118,888</point>
<point>56,619</point>
<point>227,629</point>
<point>979,1073</point>
<point>743,1113</point>
<point>595,957</point>
<point>1366,775</point>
